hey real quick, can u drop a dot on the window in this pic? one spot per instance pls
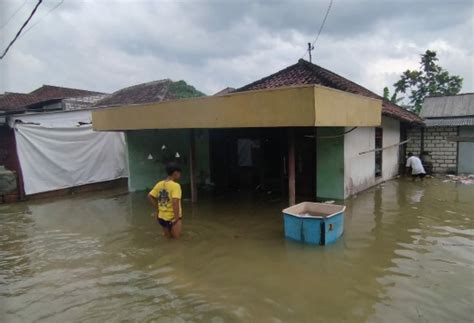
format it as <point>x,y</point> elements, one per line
<point>378,151</point>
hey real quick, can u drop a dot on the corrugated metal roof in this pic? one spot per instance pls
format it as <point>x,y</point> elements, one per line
<point>448,106</point>
<point>449,122</point>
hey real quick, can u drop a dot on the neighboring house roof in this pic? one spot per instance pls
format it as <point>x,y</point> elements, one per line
<point>156,91</point>
<point>47,92</point>
<point>461,105</point>
<point>305,72</point>
<point>449,122</point>
<point>17,102</point>
<point>66,104</point>
<point>82,102</point>
<point>225,91</point>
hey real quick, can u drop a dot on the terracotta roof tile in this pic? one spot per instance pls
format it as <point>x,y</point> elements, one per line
<point>225,91</point>
<point>305,72</point>
<point>47,92</point>
<point>155,91</point>
<point>16,102</point>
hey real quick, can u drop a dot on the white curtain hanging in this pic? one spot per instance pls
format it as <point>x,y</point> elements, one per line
<point>61,150</point>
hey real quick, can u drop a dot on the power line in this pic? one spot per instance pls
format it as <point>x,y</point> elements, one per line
<point>310,48</point>
<point>21,29</point>
<point>13,15</point>
<point>42,17</point>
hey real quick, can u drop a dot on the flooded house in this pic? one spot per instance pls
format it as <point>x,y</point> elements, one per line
<point>48,147</point>
<point>303,132</point>
<point>446,139</point>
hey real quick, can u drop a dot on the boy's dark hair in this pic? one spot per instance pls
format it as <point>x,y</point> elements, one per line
<point>171,168</point>
<point>410,154</point>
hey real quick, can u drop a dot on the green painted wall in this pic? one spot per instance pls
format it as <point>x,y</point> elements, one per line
<point>144,172</point>
<point>330,164</point>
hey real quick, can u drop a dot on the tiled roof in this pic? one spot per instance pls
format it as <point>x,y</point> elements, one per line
<point>225,91</point>
<point>156,91</point>
<point>47,92</point>
<point>16,102</point>
<point>305,72</point>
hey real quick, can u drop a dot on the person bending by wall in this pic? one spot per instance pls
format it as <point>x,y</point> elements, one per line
<point>166,199</point>
<point>414,163</point>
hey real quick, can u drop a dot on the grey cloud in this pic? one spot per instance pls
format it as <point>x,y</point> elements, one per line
<point>106,45</point>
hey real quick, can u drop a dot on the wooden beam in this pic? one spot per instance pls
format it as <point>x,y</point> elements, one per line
<point>291,167</point>
<point>386,147</point>
<point>192,166</point>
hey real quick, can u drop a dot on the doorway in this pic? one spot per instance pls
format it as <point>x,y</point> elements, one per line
<point>256,159</point>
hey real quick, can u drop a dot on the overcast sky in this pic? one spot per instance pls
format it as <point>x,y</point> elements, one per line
<point>106,45</point>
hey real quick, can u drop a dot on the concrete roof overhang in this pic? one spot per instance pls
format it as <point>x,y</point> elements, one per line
<point>298,106</point>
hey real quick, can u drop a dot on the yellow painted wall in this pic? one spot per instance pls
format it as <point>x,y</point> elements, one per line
<point>274,108</point>
<point>300,106</point>
<point>334,108</point>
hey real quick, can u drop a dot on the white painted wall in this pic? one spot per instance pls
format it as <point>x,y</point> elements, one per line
<point>359,170</point>
<point>391,136</point>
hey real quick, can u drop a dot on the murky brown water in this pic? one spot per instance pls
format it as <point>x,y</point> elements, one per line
<point>406,256</point>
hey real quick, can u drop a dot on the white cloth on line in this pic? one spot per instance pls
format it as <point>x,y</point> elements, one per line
<point>55,152</point>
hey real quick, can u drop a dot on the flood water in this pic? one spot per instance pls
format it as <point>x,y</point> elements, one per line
<point>407,255</point>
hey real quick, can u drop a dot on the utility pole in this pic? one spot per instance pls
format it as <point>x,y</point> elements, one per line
<point>310,48</point>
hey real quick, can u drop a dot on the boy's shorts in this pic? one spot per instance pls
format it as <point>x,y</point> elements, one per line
<point>166,224</point>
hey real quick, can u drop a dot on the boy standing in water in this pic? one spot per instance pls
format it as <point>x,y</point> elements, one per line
<point>166,199</point>
<point>417,169</point>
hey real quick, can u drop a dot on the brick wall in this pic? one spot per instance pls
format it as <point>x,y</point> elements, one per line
<point>414,134</point>
<point>443,153</point>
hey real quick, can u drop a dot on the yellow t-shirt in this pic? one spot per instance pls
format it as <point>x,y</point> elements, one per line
<point>164,192</point>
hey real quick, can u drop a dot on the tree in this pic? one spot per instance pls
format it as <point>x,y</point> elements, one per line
<point>431,79</point>
<point>393,98</point>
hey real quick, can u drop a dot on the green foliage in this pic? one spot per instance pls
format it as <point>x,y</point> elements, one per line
<point>181,90</point>
<point>430,79</point>
<point>393,98</point>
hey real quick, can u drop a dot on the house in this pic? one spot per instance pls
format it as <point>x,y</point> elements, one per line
<point>303,132</point>
<point>48,144</point>
<point>446,139</point>
<point>142,159</point>
<point>360,170</point>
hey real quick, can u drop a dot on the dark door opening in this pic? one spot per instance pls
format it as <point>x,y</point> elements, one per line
<point>256,159</point>
<point>305,150</point>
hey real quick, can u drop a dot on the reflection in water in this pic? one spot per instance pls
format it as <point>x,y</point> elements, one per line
<point>417,194</point>
<point>406,255</point>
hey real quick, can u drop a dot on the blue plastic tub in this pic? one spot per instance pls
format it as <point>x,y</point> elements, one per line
<point>314,223</point>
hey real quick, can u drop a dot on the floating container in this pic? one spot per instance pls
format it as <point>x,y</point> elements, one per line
<point>314,223</point>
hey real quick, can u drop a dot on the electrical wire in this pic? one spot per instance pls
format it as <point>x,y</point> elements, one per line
<point>320,27</point>
<point>42,17</point>
<point>13,15</point>
<point>21,29</point>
